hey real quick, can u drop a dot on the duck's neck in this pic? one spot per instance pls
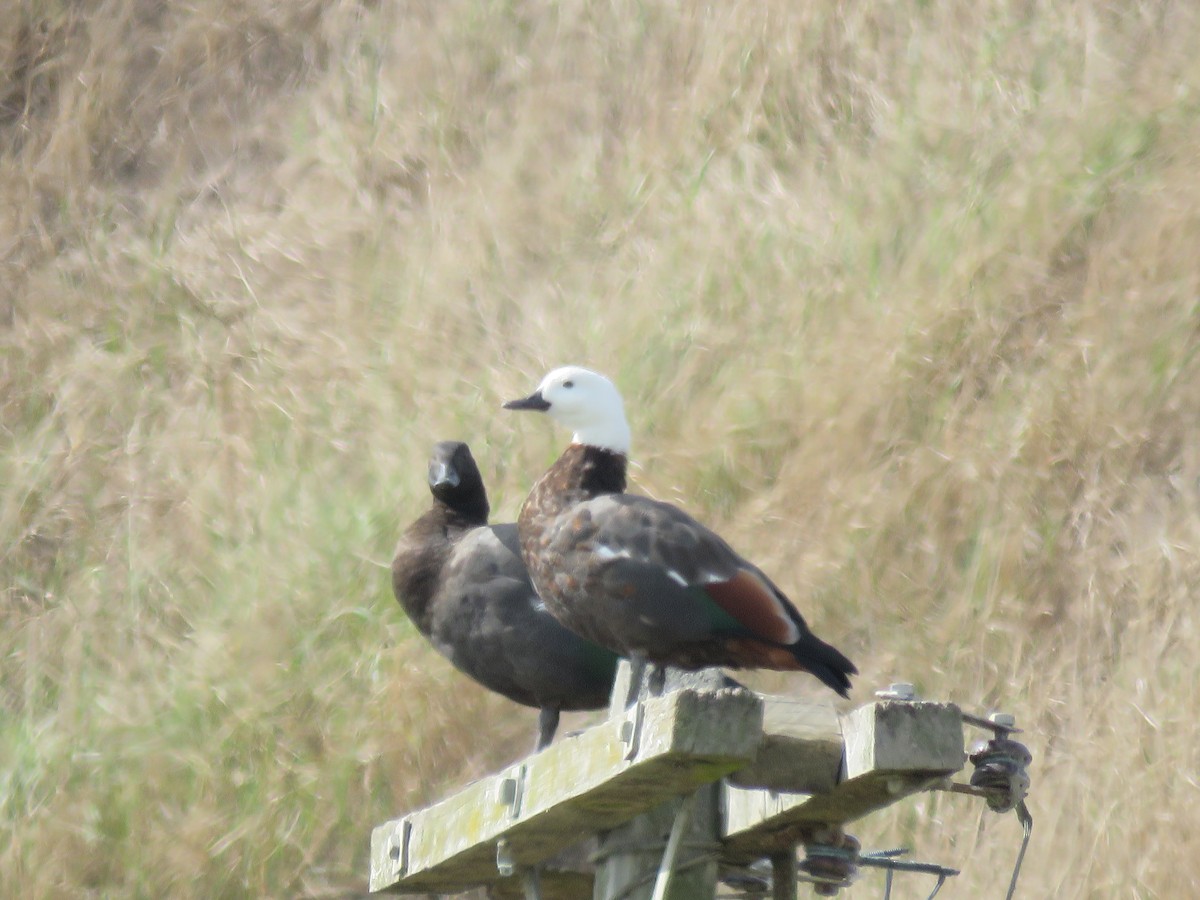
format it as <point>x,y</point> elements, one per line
<point>467,513</point>
<point>596,470</point>
<point>422,553</point>
<point>581,473</point>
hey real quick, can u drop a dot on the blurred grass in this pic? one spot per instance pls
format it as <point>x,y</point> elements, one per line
<point>902,297</point>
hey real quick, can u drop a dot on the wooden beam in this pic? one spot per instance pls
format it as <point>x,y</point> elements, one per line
<point>893,749</point>
<point>903,736</point>
<point>661,748</point>
<point>553,885</point>
<point>784,883</point>
<point>565,876</point>
<point>801,748</point>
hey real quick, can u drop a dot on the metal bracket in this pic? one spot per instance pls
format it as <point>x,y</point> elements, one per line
<point>510,791</point>
<point>397,847</point>
<point>1000,724</point>
<point>506,863</point>
<point>631,730</point>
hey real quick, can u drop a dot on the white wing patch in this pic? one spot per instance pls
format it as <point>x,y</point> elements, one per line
<point>793,630</point>
<point>604,553</point>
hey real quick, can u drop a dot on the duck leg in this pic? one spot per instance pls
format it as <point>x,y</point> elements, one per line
<point>637,671</point>
<point>656,680</point>
<point>547,725</point>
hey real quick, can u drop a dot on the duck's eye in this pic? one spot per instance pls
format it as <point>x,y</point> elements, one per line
<point>568,384</point>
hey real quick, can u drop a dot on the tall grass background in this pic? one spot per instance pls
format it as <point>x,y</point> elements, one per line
<point>904,298</point>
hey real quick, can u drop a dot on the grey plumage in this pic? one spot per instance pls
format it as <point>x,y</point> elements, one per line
<point>465,588</point>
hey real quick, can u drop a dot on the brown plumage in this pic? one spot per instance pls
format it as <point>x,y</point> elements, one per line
<point>642,577</point>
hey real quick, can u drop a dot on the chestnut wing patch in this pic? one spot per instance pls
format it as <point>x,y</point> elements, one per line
<point>755,605</point>
<point>740,600</point>
<point>753,654</point>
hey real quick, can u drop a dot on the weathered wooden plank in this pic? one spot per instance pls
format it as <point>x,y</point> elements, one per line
<point>565,876</point>
<point>893,749</point>
<point>663,747</point>
<point>903,736</point>
<point>801,748</point>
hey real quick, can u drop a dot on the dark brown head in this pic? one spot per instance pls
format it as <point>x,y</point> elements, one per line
<point>454,480</point>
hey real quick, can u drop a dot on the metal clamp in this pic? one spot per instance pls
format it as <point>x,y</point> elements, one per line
<point>397,847</point>
<point>631,730</point>
<point>1001,770</point>
<point>510,791</point>
<point>830,864</point>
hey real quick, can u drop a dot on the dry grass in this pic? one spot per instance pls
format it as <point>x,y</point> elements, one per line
<point>903,297</point>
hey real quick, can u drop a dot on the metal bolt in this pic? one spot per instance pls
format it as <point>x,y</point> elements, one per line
<point>1004,720</point>
<point>898,690</point>
<point>631,730</point>
<point>506,791</point>
<point>506,863</point>
<point>397,847</point>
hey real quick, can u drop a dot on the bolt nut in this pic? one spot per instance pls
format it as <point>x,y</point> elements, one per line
<point>1003,719</point>
<point>898,690</point>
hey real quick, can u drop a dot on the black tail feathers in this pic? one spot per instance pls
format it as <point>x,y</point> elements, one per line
<point>826,662</point>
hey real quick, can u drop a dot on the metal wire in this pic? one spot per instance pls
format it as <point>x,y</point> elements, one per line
<point>1026,820</point>
<point>885,859</point>
<point>899,865</point>
<point>879,859</point>
<point>627,891</point>
<point>937,887</point>
<point>667,867</point>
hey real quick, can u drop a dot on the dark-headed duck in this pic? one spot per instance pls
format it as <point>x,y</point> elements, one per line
<point>464,586</point>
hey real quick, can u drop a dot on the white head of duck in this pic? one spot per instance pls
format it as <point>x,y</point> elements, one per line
<point>586,402</point>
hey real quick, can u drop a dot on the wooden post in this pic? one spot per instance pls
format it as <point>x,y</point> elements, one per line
<point>630,857</point>
<point>628,861</point>
<point>783,875</point>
